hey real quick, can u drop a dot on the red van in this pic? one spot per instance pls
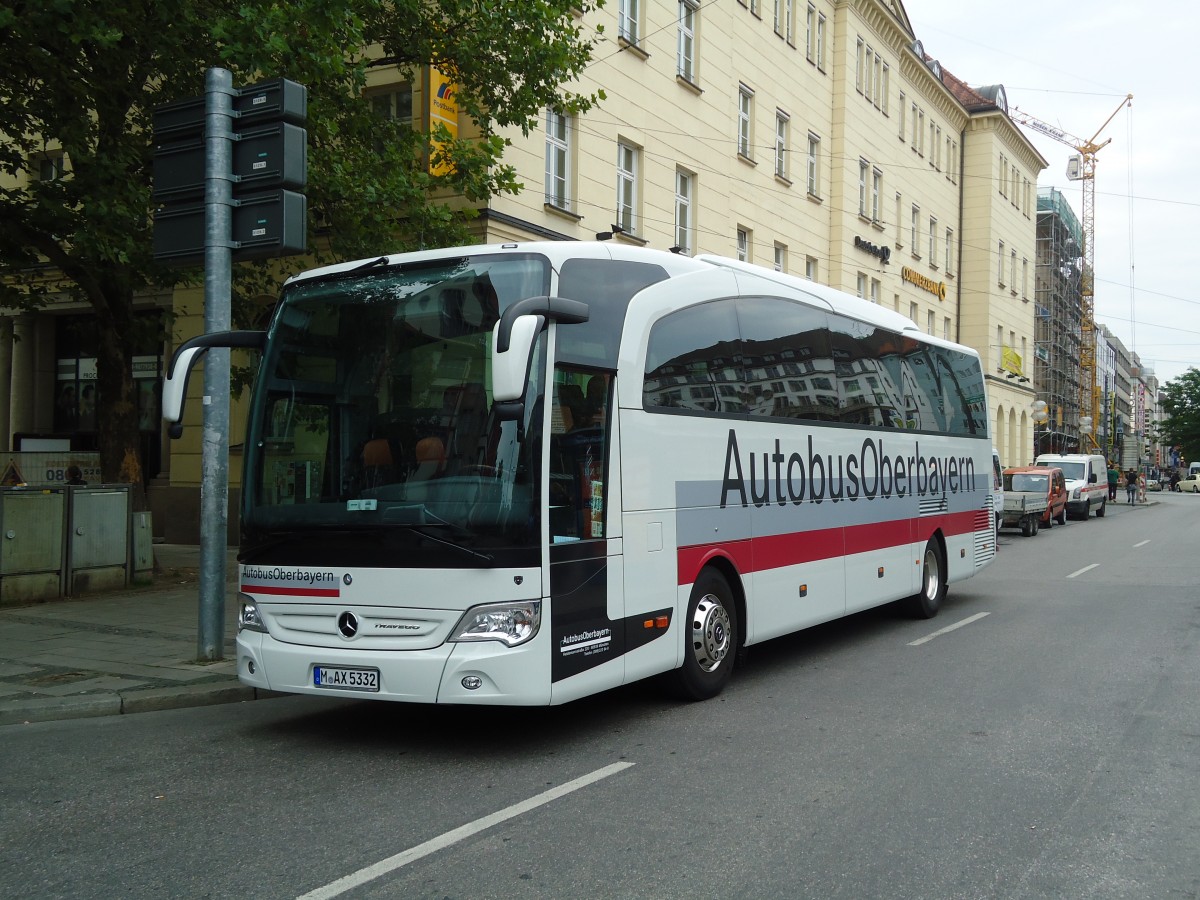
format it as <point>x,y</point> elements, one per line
<point>1041,478</point>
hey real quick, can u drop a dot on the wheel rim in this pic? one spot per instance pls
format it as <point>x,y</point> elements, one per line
<point>932,574</point>
<point>711,633</point>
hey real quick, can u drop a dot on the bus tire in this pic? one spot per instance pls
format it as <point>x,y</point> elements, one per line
<point>928,600</point>
<point>710,634</point>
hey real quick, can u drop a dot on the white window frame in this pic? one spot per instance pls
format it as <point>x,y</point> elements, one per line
<point>558,160</point>
<point>864,168</point>
<point>813,172</point>
<point>685,53</point>
<point>743,244</point>
<point>780,257</point>
<point>745,121</point>
<point>949,251</point>
<point>1000,260</point>
<point>629,15</point>
<point>821,42</point>
<point>876,195</point>
<point>628,192</point>
<point>933,242</point>
<point>810,268</point>
<point>916,231</point>
<point>782,133</point>
<point>685,227</point>
<point>810,34</point>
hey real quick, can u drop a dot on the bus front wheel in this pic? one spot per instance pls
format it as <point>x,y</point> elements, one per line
<point>928,600</point>
<point>710,638</point>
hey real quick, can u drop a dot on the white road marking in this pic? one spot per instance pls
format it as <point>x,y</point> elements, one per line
<point>948,629</point>
<point>1142,544</point>
<point>383,867</point>
<point>1084,569</point>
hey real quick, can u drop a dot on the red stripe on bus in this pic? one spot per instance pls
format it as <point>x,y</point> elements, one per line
<point>290,591</point>
<point>775,551</point>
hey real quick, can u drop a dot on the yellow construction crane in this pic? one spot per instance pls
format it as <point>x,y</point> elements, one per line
<point>1082,167</point>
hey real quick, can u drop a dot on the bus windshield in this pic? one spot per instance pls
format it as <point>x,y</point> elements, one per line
<point>373,414</point>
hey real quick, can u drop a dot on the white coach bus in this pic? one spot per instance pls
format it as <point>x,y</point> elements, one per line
<point>526,473</point>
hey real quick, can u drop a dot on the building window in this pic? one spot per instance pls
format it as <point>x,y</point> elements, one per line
<point>930,321</point>
<point>50,166</point>
<point>781,143</point>
<point>684,226</point>
<point>876,284</point>
<point>915,233</point>
<point>861,285</point>
<point>1012,272</point>
<point>780,257</point>
<point>864,169</point>
<point>912,312</point>
<point>933,236</point>
<point>789,21</point>
<point>1000,263</point>
<point>814,155</point>
<point>900,114</point>
<point>395,104</point>
<point>885,89</point>
<point>686,52</point>
<point>946,328</point>
<point>899,220</point>
<point>876,195</point>
<point>743,245</point>
<point>558,158</point>
<point>821,42</point>
<point>949,251</point>
<point>745,120</point>
<point>628,158</point>
<point>810,34</point>
<point>629,15</point>
<point>810,268</point>
<point>1024,277</point>
<point>860,60</point>
<point>1003,175</point>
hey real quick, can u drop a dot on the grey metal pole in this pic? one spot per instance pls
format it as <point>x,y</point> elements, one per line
<point>218,261</point>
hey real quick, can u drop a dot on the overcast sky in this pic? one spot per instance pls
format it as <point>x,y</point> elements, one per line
<point>1070,64</point>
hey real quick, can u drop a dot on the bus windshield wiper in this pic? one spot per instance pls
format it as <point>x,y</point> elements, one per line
<point>423,531</point>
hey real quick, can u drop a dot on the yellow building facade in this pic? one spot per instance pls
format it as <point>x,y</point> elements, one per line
<point>820,138</point>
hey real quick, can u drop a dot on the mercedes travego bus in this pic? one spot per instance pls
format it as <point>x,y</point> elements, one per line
<point>525,473</point>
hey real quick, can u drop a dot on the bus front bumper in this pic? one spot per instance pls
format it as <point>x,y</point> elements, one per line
<point>483,672</point>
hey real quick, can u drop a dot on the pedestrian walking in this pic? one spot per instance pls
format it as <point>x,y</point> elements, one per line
<point>1114,478</point>
<point>1131,486</point>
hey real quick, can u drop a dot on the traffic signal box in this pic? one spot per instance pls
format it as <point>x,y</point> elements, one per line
<point>269,173</point>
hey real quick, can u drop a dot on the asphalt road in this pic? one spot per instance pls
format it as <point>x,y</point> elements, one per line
<point>1048,746</point>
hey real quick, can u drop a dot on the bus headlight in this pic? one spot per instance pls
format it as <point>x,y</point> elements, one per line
<point>248,618</point>
<point>510,623</point>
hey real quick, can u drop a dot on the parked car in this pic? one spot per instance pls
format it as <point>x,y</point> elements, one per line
<point>1153,484</point>
<point>1191,484</point>
<point>1046,480</point>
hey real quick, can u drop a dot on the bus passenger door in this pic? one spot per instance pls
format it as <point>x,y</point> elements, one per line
<point>587,625</point>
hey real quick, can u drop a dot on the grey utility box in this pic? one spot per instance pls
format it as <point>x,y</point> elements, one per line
<point>32,525</point>
<point>98,538</point>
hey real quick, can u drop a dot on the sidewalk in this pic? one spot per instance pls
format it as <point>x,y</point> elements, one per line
<point>124,651</point>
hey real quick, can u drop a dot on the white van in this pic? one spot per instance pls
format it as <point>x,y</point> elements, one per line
<point>1087,481</point>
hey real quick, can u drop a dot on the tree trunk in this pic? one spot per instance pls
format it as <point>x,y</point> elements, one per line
<point>116,405</point>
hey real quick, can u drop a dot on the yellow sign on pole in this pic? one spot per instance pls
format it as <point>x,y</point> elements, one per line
<point>443,110</point>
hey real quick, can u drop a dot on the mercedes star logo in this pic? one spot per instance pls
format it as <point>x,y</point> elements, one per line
<point>348,624</point>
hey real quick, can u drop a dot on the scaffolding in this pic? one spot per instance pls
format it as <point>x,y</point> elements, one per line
<point>1058,322</point>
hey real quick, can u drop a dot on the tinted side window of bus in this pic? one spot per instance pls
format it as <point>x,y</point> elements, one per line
<point>694,361</point>
<point>606,286</point>
<point>789,368</point>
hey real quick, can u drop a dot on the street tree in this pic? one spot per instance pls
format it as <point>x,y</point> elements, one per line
<point>79,80</point>
<point>1181,401</point>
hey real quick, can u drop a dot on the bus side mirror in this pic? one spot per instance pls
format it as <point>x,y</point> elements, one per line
<point>512,346</point>
<point>510,367</point>
<point>186,356</point>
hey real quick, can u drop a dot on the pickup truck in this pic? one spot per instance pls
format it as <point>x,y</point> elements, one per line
<point>1024,510</point>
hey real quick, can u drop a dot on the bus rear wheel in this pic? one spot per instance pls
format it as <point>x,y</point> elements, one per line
<point>710,638</point>
<point>928,600</point>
